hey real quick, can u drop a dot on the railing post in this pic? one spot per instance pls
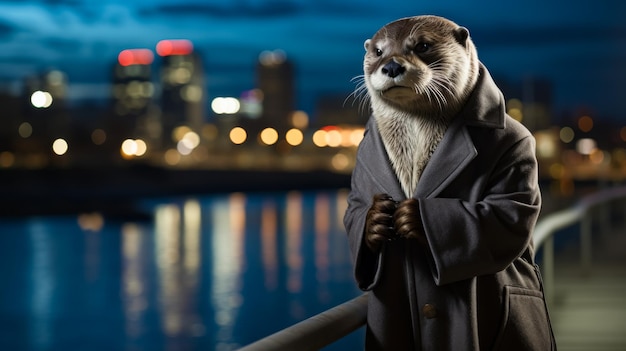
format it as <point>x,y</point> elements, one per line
<point>548,270</point>
<point>585,243</point>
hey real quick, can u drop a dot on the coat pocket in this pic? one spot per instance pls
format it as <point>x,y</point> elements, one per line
<point>525,324</point>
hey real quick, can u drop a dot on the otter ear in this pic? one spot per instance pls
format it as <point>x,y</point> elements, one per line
<point>366,45</point>
<point>461,34</point>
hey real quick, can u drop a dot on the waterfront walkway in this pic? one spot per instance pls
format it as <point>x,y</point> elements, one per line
<point>589,308</point>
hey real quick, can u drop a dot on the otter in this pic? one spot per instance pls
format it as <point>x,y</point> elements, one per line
<point>443,200</point>
<point>418,73</point>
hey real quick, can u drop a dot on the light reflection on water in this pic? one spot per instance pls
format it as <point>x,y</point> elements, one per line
<point>208,273</point>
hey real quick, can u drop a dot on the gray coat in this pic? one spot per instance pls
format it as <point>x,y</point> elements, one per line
<point>475,286</point>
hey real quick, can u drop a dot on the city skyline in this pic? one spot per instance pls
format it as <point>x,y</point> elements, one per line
<point>323,39</point>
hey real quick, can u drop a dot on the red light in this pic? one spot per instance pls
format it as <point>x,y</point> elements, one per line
<point>329,128</point>
<point>174,47</point>
<point>135,57</point>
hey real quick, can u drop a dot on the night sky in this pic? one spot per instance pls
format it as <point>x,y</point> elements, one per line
<point>578,45</point>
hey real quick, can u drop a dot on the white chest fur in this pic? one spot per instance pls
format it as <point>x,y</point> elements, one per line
<point>409,141</point>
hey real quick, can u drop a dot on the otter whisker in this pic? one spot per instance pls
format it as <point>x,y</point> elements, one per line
<point>359,94</point>
<point>443,83</point>
<point>421,91</point>
<point>438,96</point>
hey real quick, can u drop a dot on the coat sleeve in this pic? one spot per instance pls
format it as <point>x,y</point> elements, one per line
<point>367,265</point>
<point>487,231</point>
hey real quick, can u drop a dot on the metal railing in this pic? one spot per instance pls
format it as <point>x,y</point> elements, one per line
<point>317,331</point>
<point>581,212</point>
<point>334,324</point>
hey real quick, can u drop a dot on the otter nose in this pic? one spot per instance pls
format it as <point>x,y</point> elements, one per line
<point>393,69</point>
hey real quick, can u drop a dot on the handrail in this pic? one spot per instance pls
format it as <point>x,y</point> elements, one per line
<point>548,225</point>
<point>564,218</point>
<point>317,331</point>
<point>337,322</point>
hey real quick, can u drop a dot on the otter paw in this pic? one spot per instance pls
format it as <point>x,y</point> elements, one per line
<point>379,222</point>
<point>407,220</point>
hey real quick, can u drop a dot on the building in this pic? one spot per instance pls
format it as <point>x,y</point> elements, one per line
<point>132,96</point>
<point>183,89</point>
<point>275,80</point>
<point>537,96</point>
<point>45,116</point>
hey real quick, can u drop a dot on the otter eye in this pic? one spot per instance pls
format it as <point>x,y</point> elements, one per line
<point>379,52</point>
<point>421,48</point>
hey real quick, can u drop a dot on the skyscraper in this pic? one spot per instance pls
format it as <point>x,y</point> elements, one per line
<point>132,95</point>
<point>275,77</point>
<point>45,115</point>
<point>183,92</point>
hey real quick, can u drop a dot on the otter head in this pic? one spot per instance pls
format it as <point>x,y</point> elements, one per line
<point>424,65</point>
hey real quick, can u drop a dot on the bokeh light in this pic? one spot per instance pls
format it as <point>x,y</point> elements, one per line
<point>566,134</point>
<point>41,99</point>
<point>60,146</point>
<point>340,162</point>
<point>98,136</point>
<point>300,119</point>
<point>25,130</point>
<point>129,147</point>
<point>586,146</point>
<point>294,137</point>
<point>171,157</point>
<point>269,136</point>
<point>141,147</point>
<point>585,124</point>
<point>238,135</point>
<point>133,147</point>
<point>319,138</point>
<point>7,159</point>
<point>333,138</point>
<point>356,136</point>
<point>225,105</point>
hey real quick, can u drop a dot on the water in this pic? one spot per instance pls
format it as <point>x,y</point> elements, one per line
<point>208,273</point>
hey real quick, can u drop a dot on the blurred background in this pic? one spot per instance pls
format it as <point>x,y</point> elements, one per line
<point>173,173</point>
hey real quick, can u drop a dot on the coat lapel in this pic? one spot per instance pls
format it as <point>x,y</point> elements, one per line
<point>453,154</point>
<point>485,108</point>
<point>376,162</point>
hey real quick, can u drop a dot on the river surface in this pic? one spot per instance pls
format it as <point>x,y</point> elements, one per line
<point>198,273</point>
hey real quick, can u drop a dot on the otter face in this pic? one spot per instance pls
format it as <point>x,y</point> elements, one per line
<point>422,64</point>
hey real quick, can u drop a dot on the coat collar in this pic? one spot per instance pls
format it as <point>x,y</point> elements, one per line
<point>485,108</point>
